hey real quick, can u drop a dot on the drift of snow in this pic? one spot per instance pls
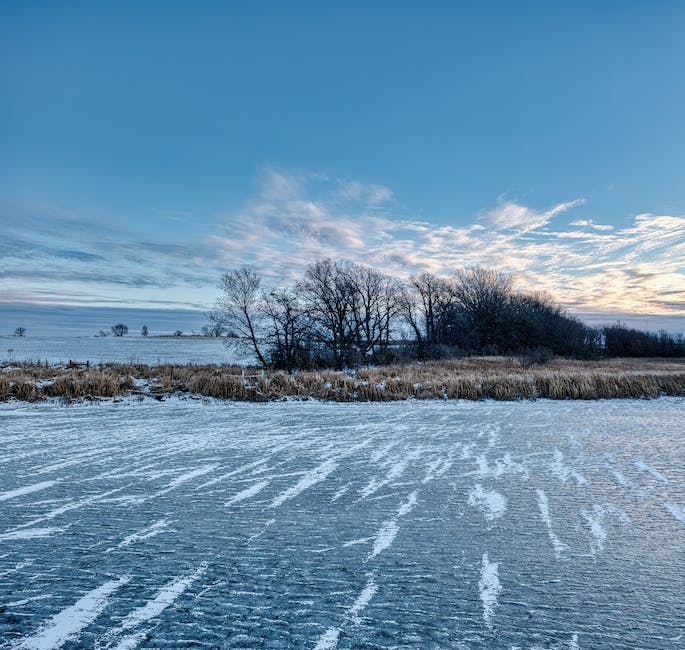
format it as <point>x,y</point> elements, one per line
<point>67,625</point>
<point>490,588</point>
<point>329,639</point>
<point>491,503</point>
<point>163,599</point>
<point>543,504</point>
<point>31,533</point>
<point>595,520</point>
<point>564,472</point>
<point>641,465</point>
<point>385,537</point>
<point>676,510</point>
<point>317,475</point>
<point>247,493</point>
<point>27,489</point>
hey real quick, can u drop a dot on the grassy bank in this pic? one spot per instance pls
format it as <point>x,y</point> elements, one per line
<point>472,379</point>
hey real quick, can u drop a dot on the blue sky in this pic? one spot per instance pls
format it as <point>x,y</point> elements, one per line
<point>147,146</point>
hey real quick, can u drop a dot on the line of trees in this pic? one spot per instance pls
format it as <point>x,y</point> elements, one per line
<point>342,315</point>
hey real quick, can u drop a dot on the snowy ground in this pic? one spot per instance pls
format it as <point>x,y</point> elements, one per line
<point>314,525</point>
<point>129,349</point>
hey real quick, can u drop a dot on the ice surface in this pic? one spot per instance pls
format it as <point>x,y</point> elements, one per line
<point>199,523</point>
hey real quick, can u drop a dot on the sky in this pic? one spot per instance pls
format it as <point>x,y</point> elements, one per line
<point>146,147</point>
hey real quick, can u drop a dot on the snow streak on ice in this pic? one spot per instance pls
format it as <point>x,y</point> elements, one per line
<point>543,504</point>
<point>490,588</point>
<point>67,625</point>
<point>317,475</point>
<point>329,639</point>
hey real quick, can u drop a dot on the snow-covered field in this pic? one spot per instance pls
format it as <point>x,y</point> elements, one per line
<point>133,349</point>
<point>194,523</point>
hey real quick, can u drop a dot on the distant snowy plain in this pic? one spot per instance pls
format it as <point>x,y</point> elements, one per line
<point>125,349</point>
<point>198,523</point>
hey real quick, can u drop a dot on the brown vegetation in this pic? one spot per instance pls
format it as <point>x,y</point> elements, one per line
<point>471,378</point>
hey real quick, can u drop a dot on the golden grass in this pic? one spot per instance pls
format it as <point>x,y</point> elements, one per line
<point>471,378</point>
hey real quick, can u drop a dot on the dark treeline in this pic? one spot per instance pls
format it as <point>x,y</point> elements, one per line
<point>343,315</point>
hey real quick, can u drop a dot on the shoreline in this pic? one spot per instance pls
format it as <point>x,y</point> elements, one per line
<point>474,378</point>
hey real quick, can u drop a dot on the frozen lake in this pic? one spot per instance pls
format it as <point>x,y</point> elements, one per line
<point>556,525</point>
<point>199,350</point>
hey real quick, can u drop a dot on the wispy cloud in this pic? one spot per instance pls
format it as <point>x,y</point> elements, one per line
<point>294,219</point>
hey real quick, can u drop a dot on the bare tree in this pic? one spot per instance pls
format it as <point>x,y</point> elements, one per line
<point>119,329</point>
<point>288,329</point>
<point>239,305</point>
<point>426,306</point>
<point>373,300</point>
<point>483,296</point>
<point>325,290</point>
<point>217,323</point>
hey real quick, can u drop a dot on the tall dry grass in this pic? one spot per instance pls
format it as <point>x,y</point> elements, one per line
<point>472,379</point>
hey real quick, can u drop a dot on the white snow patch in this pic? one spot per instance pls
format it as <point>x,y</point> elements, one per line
<point>650,470</point>
<point>151,531</point>
<point>362,601</point>
<point>72,505</point>
<point>340,493</point>
<point>595,521</point>
<point>543,504</point>
<point>240,470</point>
<point>247,493</point>
<point>491,503</point>
<point>676,510</point>
<point>385,537</point>
<point>27,489</point>
<point>165,597</point>
<point>317,475</point>
<point>189,476</point>
<point>131,641</point>
<point>329,639</point>
<point>621,478</point>
<point>408,505</point>
<point>31,533</point>
<point>490,588</point>
<point>564,472</point>
<point>502,466</point>
<point>67,624</point>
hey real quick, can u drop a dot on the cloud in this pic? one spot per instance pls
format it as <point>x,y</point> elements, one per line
<point>295,219</point>
<point>589,223</point>
<point>512,216</point>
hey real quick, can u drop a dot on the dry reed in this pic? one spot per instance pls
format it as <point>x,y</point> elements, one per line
<point>471,379</point>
